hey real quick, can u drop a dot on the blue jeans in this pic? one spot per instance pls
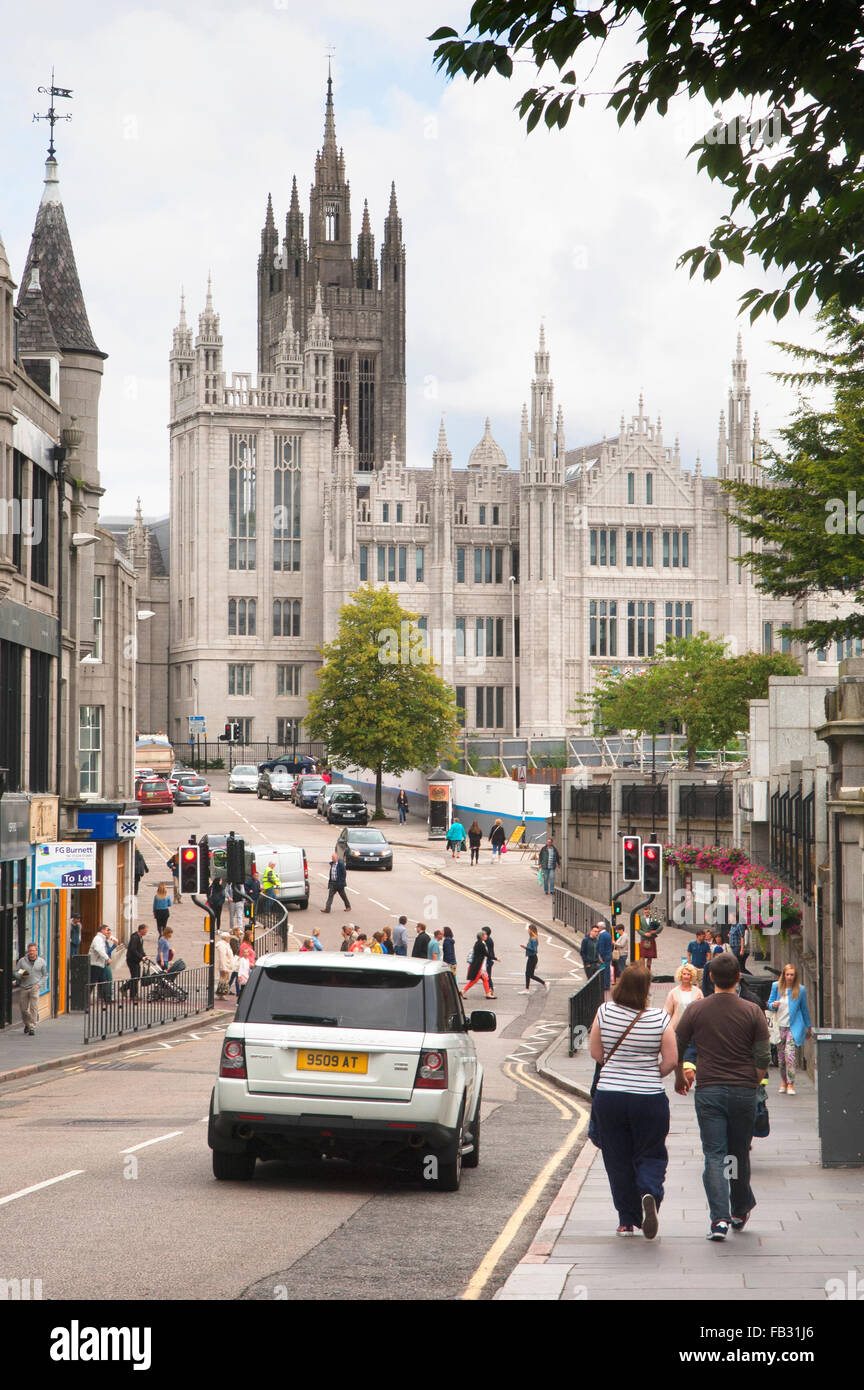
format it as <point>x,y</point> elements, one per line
<point>548,880</point>
<point>726,1115</point>
<point>632,1134</point>
<point>403,815</point>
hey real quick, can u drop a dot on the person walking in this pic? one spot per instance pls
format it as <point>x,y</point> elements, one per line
<point>252,888</point>
<point>162,905</point>
<point>605,952</point>
<point>497,839</point>
<point>402,805</point>
<point>224,963</point>
<point>164,951</point>
<point>400,937</point>
<point>685,992</point>
<point>31,973</point>
<point>477,968</point>
<point>456,837</point>
<point>648,943</point>
<point>234,977</point>
<point>173,866</point>
<point>140,869</point>
<point>634,1047</point>
<point>788,999</point>
<point>434,950</point>
<point>475,835</point>
<point>337,878</point>
<point>531,948</point>
<point>420,949</point>
<point>739,943</point>
<point>588,951</point>
<point>99,956</point>
<point>216,900</point>
<point>733,1053</point>
<point>549,859</point>
<point>699,949</point>
<point>491,957</point>
<point>74,934</point>
<point>135,957</point>
<point>448,948</point>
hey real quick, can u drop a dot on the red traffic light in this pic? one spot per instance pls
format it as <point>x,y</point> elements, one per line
<point>650,853</point>
<point>190,855</point>
<point>629,844</point>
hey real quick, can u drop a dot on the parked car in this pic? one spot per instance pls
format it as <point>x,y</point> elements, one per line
<point>349,1056</point>
<point>153,794</point>
<point>191,790</point>
<point>364,847</point>
<point>348,808</point>
<point>327,791</point>
<point>307,790</point>
<point>243,778</point>
<point>292,871</point>
<point>276,784</point>
<point>296,765</point>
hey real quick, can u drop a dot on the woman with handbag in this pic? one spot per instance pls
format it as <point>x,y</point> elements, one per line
<point>788,1000</point>
<point>634,1047</point>
<point>498,840</point>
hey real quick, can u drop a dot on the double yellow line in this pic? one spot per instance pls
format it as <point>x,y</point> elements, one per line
<point>569,1109</point>
<point>466,893</point>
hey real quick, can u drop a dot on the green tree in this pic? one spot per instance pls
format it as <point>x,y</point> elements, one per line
<point>694,681</point>
<point>800,205</point>
<point>379,703</point>
<point>808,517</point>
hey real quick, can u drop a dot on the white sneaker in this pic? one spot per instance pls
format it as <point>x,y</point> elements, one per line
<point>523,991</point>
<point>546,986</point>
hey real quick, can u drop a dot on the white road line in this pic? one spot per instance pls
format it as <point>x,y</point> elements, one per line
<point>148,1142</point>
<point>13,1196</point>
<point>377,904</point>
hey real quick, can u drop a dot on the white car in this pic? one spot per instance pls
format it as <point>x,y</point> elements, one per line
<point>350,1055</point>
<point>243,778</point>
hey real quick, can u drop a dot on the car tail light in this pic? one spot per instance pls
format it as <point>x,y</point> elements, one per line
<point>432,1071</point>
<point>305,871</point>
<point>233,1060</point>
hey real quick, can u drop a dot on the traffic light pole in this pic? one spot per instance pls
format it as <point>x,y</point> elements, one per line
<point>211,948</point>
<point>638,908</point>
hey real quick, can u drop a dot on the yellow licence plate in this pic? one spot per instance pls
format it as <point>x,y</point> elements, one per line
<point>355,1063</point>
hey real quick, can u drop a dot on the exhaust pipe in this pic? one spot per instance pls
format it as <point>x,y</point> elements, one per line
<point>416,1141</point>
<point>245,1132</point>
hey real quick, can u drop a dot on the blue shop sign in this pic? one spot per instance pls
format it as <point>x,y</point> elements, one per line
<point>101,824</point>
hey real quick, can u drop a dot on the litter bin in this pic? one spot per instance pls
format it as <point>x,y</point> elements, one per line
<point>840,1091</point>
<point>761,986</point>
<point>79,983</point>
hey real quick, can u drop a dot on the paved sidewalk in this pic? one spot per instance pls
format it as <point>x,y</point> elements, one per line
<point>806,1230</point>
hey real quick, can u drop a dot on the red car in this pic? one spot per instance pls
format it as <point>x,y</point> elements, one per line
<point>153,794</point>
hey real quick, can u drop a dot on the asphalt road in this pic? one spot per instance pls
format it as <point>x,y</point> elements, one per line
<point>130,1209</point>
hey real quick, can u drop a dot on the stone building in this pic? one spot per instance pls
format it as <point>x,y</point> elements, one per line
<point>290,490</point>
<point>66,606</point>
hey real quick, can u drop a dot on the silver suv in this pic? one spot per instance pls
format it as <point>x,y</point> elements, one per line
<point>351,1056</point>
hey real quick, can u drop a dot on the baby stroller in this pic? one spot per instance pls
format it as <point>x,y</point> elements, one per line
<point>159,984</point>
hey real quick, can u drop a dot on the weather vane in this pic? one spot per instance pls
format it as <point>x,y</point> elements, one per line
<point>51,115</point>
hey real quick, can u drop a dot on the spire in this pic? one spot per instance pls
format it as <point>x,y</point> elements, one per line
<point>182,320</point>
<point>344,441</point>
<point>541,356</point>
<point>51,251</point>
<point>393,222</point>
<point>208,322</point>
<point>319,324</point>
<point>208,306</point>
<point>269,221</point>
<point>329,117</point>
<point>329,163</point>
<point>442,447</point>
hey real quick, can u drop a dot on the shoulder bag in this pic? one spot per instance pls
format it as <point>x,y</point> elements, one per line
<point>593,1131</point>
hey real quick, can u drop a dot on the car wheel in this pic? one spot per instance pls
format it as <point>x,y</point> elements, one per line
<point>450,1170</point>
<point>472,1160</point>
<point>389,868</point>
<point>303,906</point>
<point>233,1167</point>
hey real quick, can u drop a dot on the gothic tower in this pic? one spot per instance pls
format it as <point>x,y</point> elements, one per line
<point>365,301</point>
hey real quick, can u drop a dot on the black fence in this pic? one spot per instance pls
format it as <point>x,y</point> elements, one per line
<point>139,1006</point>
<point>573,912</point>
<point>204,752</point>
<point>583,1007</point>
<point>702,801</point>
<point>793,839</point>
<point>645,799</point>
<point>589,806</point>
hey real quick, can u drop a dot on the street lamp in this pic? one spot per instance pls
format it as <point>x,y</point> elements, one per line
<point>513,646</point>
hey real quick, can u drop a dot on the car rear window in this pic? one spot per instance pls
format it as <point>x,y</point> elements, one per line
<point>388,1000</point>
<point>366,837</point>
<point>353,797</point>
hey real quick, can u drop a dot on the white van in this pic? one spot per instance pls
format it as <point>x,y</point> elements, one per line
<point>291,870</point>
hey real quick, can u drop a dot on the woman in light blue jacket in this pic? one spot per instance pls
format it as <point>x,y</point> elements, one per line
<point>788,998</point>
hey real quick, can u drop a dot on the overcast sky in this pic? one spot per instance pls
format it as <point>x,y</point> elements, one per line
<point>186,114</point>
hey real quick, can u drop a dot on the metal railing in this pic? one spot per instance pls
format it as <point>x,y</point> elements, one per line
<point>573,911</point>
<point>583,1007</point>
<point>271,926</point>
<point>136,1006</point>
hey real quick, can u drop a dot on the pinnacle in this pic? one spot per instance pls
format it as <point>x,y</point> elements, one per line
<point>366,229</point>
<point>269,222</point>
<point>442,445</point>
<point>394,210</point>
<point>344,441</point>
<point>295,200</point>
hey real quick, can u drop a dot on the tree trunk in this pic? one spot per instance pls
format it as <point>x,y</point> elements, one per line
<point>691,756</point>
<point>379,812</point>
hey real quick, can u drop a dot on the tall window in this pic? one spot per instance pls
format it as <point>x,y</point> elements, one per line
<point>603,628</point>
<point>11,712</point>
<point>385,511</point>
<point>482,517</point>
<point>459,644</point>
<point>245,726</point>
<point>460,565</point>
<point>631,488</point>
<point>649,489</point>
<point>90,749</point>
<point>640,629</point>
<point>676,549</point>
<point>489,637</point>
<point>366,415</point>
<point>40,703</point>
<point>286,617</point>
<point>286,502</point>
<point>679,619</point>
<point>364,563</point>
<point>342,383</point>
<point>39,541</point>
<point>288,680</point>
<point>419,554</point>
<point>17,504</point>
<point>241,617</point>
<point>460,702</point>
<point>768,640</point>
<point>287,729</point>
<point>242,465</point>
<point>639,547</point>
<point>239,680</point>
<point>331,220</point>
<point>98,601</point>
<point>489,706</point>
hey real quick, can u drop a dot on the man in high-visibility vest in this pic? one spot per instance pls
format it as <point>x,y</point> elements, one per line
<point>270,881</point>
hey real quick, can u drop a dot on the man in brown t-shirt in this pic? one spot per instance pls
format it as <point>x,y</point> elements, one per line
<point>732,1055</point>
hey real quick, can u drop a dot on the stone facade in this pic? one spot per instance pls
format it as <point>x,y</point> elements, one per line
<point>290,490</point>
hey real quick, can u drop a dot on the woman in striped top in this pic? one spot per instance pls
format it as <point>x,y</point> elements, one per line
<point>635,1047</point>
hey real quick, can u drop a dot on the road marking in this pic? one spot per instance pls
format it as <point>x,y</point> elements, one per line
<point>466,893</point>
<point>516,1073</point>
<point>148,1142</point>
<point>37,1187</point>
<point>377,904</point>
<point>543,1037</point>
<point>577,1106</point>
<point>486,1268</point>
